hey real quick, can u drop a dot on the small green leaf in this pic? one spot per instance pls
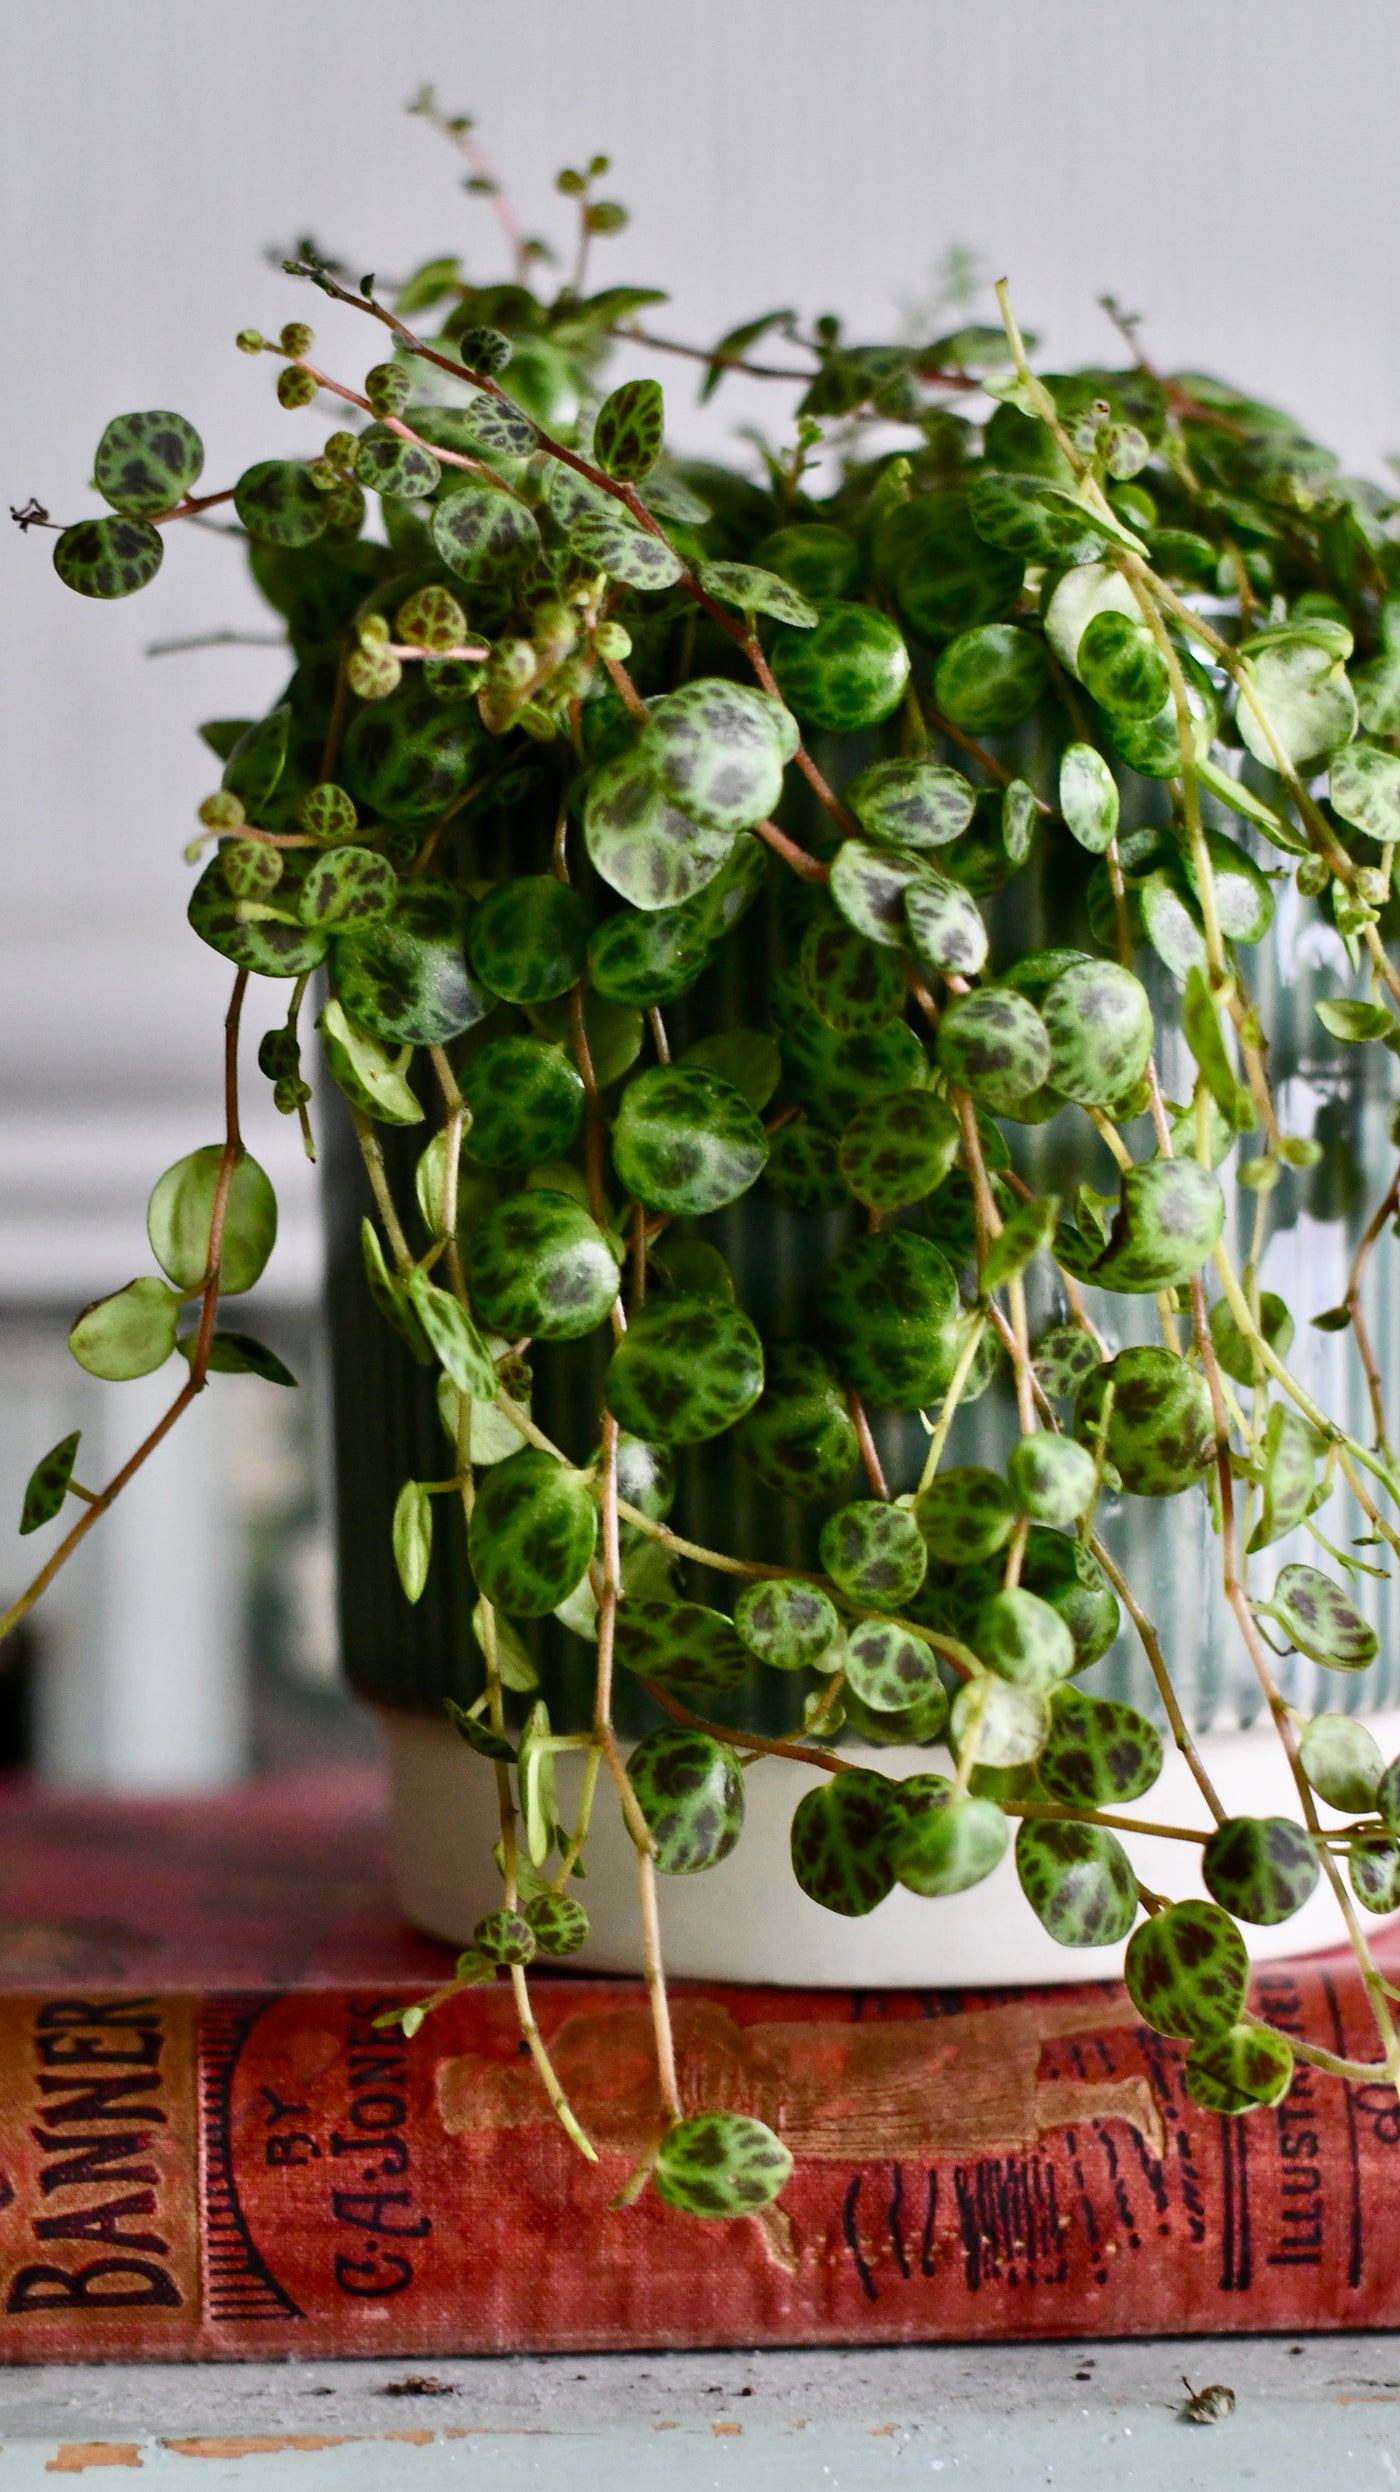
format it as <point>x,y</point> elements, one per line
<point>1232,1347</point>
<point>372,1080</point>
<point>748,1060</point>
<point>1187,1972</point>
<point>1365,790</point>
<point>842,1839</point>
<point>1204,1039</point>
<point>690,1789</point>
<point>108,557</point>
<point>413,1537</point>
<point>755,591</point>
<point>1002,1725</point>
<point>1078,1881</point>
<point>180,1213</point>
<point>1320,1621</point>
<point>943,1843</point>
<point>1353,1022</point>
<point>455,1339</point>
<point>1025,1231</point>
<point>628,432</point>
<point>1288,1454</point>
<point>479,1734</point>
<point>536,1784</point>
<point>146,463</point>
<point>129,1334</point>
<point>1089,797</point>
<point>533,1531</point>
<point>1342,1762</point>
<point>1299,684</point>
<point>1247,2069</point>
<point>617,545</point>
<point>238,1354</point>
<point>48,1484</point>
<point>279,504</point>
<point>1261,1869</point>
<point>721,2163</point>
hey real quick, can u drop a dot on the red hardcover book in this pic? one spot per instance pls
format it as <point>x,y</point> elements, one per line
<point>208,2149</point>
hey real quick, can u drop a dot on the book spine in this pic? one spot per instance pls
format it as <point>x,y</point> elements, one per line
<point>277,2175</point>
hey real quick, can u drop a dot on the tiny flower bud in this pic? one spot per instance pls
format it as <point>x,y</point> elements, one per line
<point>373,630</point>
<point>250,341</point>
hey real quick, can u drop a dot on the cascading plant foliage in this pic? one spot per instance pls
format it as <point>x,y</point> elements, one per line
<point>548,742</point>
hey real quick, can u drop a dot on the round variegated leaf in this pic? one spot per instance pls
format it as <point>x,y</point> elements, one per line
<point>1023,1639</point>
<point>1161,1434</point>
<point>714,747</point>
<point>1317,1617</point>
<point>108,557</point>
<point>278,503</point>
<point>681,1644</point>
<point>532,1534</point>
<point>385,463</point>
<point>147,463</point>
<point>848,673</point>
<point>273,947</point>
<point>993,1044</point>
<point>538,1266</point>
<point>1342,1762</point>
<point>1051,1477</point>
<point>690,1789</point>
<point>820,561</point>
<point>868,886</point>
<point>788,1624</point>
<point>481,534</point>
<point>643,845</point>
<point>799,1437</point>
<point>1365,790</point>
<point>1067,1575</point>
<point>875,1553</point>
<point>911,804</point>
<point>831,1074</point>
<point>646,957</point>
<point>1078,1881</point>
<point>1121,667</point>
<point>757,592</point>
<point>891,1669</point>
<point>1100,1753</point>
<point>1089,797</point>
<point>348,887</point>
<point>857,986</point>
<point>47,1487</point>
<point>803,1169</point>
<point>1062,1358</point>
<point>965,1515</point>
<point>685,1370</point>
<point>990,679</point>
<point>999,1724</point>
<point>1261,1869</point>
<point>896,1150</point>
<point>887,1310</point>
<point>628,429</point>
<point>1303,708</point>
<point>1235,1353</point>
<point>1098,1020</point>
<point>406,979</point>
<point>1037,520</point>
<point>842,1836</point>
<point>685,1142</point>
<point>528,938</point>
<point>612,543</point>
<point>1373,1865</point>
<point>945,927</point>
<point>526,1101</point>
<point>722,2163</point>
<point>1246,2069</point>
<point>1187,1972</point>
<point>409,757</point>
<point>1169,1218</point>
<point>943,1842</point>
<point>745,1060</point>
<point>558,1923</point>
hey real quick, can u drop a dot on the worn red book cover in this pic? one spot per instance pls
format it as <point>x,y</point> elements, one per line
<point>208,2149</point>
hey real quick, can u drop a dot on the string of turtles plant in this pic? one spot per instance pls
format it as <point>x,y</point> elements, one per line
<point>542,752</point>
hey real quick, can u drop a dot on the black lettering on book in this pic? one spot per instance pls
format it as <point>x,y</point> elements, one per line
<point>73,2037</point>
<point>376,2111</point>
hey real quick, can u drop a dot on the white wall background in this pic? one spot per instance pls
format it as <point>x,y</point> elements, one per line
<point>1229,167</point>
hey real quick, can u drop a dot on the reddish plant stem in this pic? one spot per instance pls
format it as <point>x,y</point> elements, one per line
<point>869,1450</point>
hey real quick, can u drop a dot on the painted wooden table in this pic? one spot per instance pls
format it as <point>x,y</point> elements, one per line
<point>1102,2418</point>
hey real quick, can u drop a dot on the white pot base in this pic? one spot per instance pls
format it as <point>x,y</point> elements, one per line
<point>748,1921</point>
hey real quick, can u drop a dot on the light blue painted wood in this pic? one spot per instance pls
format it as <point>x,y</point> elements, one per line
<point>1099,2418</point>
